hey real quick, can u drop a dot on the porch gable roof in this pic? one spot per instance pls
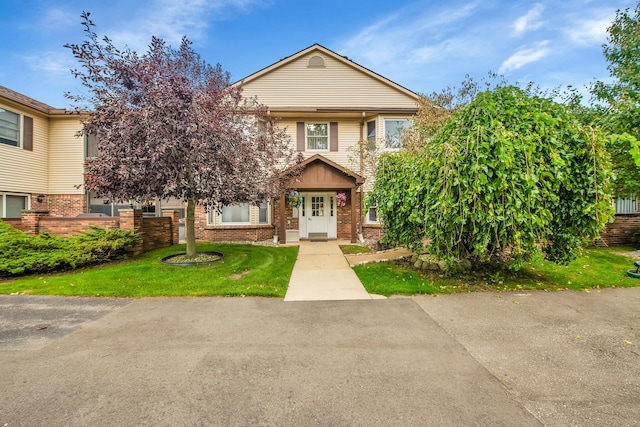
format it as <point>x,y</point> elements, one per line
<point>320,173</point>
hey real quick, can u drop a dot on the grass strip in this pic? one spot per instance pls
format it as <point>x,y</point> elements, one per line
<point>246,270</point>
<point>596,268</point>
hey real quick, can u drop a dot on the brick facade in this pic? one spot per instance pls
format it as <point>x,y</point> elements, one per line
<point>621,231</point>
<point>372,232</point>
<point>60,205</point>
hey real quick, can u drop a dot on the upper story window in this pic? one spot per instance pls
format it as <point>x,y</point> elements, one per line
<point>371,130</point>
<point>394,130</point>
<point>9,128</point>
<point>91,145</point>
<point>317,136</point>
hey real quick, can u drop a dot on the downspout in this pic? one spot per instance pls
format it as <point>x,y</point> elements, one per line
<point>361,201</point>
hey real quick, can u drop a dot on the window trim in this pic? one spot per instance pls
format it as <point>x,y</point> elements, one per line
<point>268,212</point>
<point>384,130</point>
<point>306,137</point>
<point>20,129</point>
<point>373,204</point>
<point>4,195</point>
<point>375,130</point>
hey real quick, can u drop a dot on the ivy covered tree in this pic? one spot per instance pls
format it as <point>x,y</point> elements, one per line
<point>507,174</point>
<point>618,102</point>
<point>171,125</point>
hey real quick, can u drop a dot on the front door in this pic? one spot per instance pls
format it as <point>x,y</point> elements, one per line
<point>318,215</point>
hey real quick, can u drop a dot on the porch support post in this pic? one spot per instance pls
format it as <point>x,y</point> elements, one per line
<point>354,215</point>
<point>282,232</point>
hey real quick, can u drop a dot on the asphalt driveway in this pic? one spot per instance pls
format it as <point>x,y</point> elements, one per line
<point>476,359</point>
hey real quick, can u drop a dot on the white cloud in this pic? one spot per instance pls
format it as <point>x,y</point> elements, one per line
<point>406,37</point>
<point>58,19</point>
<point>524,56</point>
<point>590,31</point>
<point>56,62</point>
<point>528,22</point>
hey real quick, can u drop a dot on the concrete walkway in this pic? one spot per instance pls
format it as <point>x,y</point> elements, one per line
<point>322,273</point>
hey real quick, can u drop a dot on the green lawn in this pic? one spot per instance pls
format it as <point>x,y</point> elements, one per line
<point>596,268</point>
<point>245,270</point>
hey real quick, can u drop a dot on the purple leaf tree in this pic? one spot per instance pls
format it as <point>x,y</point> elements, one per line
<point>170,125</point>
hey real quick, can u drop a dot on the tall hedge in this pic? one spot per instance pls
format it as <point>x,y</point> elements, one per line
<point>508,174</point>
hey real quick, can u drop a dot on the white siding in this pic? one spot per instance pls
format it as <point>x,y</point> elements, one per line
<point>337,85</point>
<point>24,171</point>
<point>66,156</point>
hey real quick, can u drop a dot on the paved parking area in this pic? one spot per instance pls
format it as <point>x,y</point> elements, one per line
<point>32,322</point>
<point>555,359</point>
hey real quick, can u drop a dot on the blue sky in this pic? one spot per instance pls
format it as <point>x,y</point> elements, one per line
<point>422,45</point>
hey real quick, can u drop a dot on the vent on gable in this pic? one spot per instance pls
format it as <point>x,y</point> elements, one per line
<point>316,62</point>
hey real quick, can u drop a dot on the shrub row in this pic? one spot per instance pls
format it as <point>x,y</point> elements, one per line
<point>21,253</point>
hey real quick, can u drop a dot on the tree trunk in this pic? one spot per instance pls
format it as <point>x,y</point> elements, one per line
<point>190,228</point>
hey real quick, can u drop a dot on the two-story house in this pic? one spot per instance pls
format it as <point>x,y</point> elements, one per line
<point>327,104</point>
<point>41,158</point>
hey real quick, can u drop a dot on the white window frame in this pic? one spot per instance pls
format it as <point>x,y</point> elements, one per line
<point>264,205</point>
<point>384,132</point>
<point>20,126</point>
<point>222,222</point>
<point>375,130</point>
<point>306,137</point>
<point>375,207</point>
<point>3,196</point>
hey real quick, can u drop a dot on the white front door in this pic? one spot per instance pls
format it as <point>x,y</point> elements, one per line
<point>318,215</point>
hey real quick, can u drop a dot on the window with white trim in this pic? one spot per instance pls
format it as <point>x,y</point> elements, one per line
<point>12,205</point>
<point>372,212</point>
<point>236,214</point>
<point>263,213</point>
<point>9,127</point>
<point>317,136</point>
<point>394,130</point>
<point>371,130</point>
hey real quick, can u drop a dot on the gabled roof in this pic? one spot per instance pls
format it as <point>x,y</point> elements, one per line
<point>29,102</point>
<point>338,57</point>
<point>334,175</point>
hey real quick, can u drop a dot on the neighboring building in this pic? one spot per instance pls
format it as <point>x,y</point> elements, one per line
<point>41,158</point>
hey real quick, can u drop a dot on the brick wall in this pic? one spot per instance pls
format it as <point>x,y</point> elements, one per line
<point>66,227</point>
<point>60,205</point>
<point>155,232</point>
<point>343,218</point>
<point>14,222</point>
<point>372,232</point>
<point>621,231</point>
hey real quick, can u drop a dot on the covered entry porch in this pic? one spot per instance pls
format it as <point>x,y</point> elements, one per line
<point>328,207</point>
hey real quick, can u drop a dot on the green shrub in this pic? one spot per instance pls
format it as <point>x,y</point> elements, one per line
<point>21,253</point>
